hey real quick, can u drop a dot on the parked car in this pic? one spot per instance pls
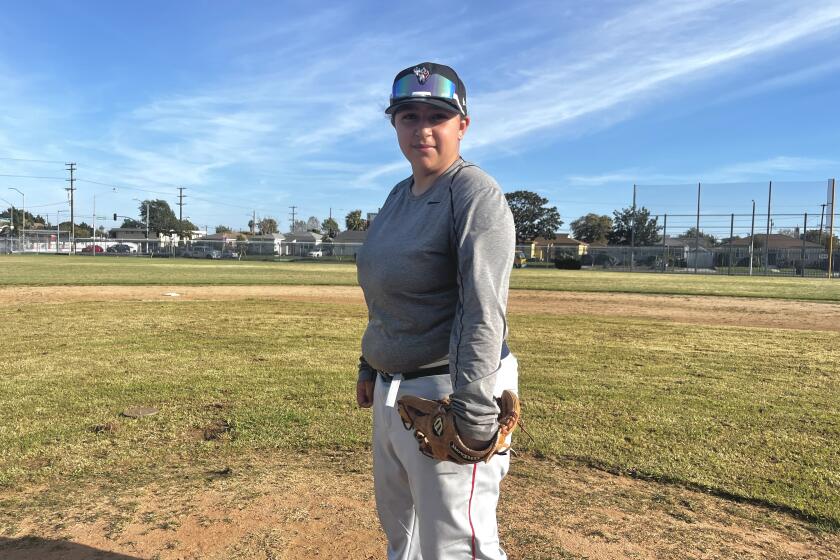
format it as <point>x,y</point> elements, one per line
<point>92,249</point>
<point>121,249</point>
<point>230,254</point>
<point>519,259</point>
<point>316,254</point>
<point>202,252</point>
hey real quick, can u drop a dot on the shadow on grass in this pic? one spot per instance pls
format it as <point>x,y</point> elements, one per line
<point>30,547</point>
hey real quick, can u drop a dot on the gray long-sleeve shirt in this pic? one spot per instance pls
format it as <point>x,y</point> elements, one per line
<point>435,270</point>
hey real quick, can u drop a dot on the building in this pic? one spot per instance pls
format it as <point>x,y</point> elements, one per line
<point>267,244</point>
<point>299,244</point>
<point>549,249</point>
<point>348,242</point>
<point>776,250</point>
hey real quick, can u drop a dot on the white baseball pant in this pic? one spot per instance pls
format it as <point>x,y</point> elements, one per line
<point>429,509</point>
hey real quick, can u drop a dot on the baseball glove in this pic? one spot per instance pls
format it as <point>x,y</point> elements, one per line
<point>434,428</point>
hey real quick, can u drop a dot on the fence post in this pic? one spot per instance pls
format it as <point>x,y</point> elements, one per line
<point>767,239</point>
<point>731,235</point>
<point>752,238</point>
<point>697,232</point>
<point>831,230</point>
<point>664,246</point>
<point>804,235</point>
<point>633,231</point>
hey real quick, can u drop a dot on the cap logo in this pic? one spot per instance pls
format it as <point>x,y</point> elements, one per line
<point>422,74</point>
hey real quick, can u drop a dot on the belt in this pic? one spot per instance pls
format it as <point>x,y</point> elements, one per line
<point>437,370</point>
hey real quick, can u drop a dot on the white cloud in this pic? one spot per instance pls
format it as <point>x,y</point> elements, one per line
<point>298,105</point>
<point>647,53</point>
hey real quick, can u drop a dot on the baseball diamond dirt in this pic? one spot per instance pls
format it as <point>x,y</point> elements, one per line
<point>704,310</point>
<point>320,505</point>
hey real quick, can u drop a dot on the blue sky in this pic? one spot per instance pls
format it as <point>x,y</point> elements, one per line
<point>259,106</point>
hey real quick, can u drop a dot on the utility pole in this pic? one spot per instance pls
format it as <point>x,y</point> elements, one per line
<point>180,214</point>
<point>292,229</point>
<point>752,238</point>
<point>254,222</point>
<point>822,215</point>
<point>94,226</point>
<point>833,198</point>
<point>23,219</point>
<point>633,232</point>
<point>71,167</point>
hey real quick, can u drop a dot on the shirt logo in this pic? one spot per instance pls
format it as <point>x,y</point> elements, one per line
<point>422,74</point>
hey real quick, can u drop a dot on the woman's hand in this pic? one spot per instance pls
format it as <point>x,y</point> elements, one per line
<point>364,394</point>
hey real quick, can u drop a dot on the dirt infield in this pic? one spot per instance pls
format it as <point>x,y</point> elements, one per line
<point>308,505</point>
<point>302,507</point>
<point>705,310</point>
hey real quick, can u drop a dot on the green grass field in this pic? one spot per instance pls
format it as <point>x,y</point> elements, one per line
<point>747,413</point>
<point>51,270</point>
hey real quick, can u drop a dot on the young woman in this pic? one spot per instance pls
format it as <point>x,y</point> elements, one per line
<point>434,270</point>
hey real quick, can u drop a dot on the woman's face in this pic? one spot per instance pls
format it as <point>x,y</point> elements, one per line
<point>429,137</point>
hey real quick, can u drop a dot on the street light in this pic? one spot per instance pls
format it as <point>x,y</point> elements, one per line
<point>58,228</point>
<point>23,220</point>
<point>8,244</point>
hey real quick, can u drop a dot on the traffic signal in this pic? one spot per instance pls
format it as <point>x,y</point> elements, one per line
<point>115,216</point>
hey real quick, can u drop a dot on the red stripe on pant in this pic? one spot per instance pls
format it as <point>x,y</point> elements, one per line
<point>469,511</point>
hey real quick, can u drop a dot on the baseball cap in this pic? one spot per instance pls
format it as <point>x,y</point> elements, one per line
<point>427,82</point>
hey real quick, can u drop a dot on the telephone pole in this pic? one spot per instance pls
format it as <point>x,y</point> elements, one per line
<point>71,167</point>
<point>254,222</point>
<point>180,214</point>
<point>292,214</point>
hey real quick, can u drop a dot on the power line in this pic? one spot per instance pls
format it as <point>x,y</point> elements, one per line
<point>31,177</point>
<point>45,205</point>
<point>33,160</point>
<point>220,201</point>
<point>120,186</point>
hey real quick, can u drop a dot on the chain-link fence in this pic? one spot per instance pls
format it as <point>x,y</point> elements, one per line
<point>734,229</point>
<point>730,260</point>
<point>41,242</point>
<point>684,229</point>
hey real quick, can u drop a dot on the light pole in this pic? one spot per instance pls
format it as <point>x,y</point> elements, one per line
<point>8,243</point>
<point>148,219</point>
<point>752,237</point>
<point>23,219</point>
<point>57,229</point>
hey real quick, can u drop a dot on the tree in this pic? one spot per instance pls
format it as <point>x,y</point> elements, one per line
<point>531,217</point>
<point>355,222</point>
<point>131,223</point>
<point>299,226</point>
<point>20,219</point>
<point>82,230</point>
<point>313,224</point>
<point>592,228</point>
<point>223,229</point>
<point>821,237</point>
<point>267,226</point>
<point>330,228</point>
<point>161,218</point>
<point>646,228</point>
<point>705,238</point>
<point>187,229</point>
